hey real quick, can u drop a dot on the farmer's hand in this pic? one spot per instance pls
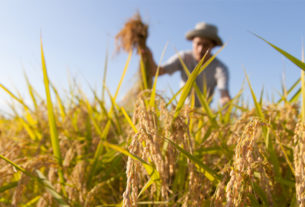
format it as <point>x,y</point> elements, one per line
<point>149,60</point>
<point>147,56</point>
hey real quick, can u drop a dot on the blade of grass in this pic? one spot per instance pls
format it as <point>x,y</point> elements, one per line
<point>105,75</point>
<point>33,133</point>
<point>152,172</point>
<point>208,172</point>
<point>105,131</point>
<point>31,91</point>
<point>115,107</point>
<point>123,75</point>
<point>51,118</point>
<point>293,59</point>
<point>15,97</point>
<point>153,93</point>
<point>32,201</point>
<point>200,95</point>
<point>261,97</point>
<point>59,102</point>
<point>61,201</point>
<point>174,96</point>
<point>187,87</point>
<point>295,97</point>
<point>290,89</point>
<point>191,80</point>
<point>303,89</point>
<point>257,105</point>
<point>129,120</point>
<point>229,106</point>
<point>41,179</point>
<point>15,165</point>
<point>146,186</point>
<point>8,186</point>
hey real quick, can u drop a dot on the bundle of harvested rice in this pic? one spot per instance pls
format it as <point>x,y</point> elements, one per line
<point>133,37</point>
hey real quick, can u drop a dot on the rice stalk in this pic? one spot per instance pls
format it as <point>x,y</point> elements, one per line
<point>299,163</point>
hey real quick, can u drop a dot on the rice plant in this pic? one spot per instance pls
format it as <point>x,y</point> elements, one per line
<point>81,152</point>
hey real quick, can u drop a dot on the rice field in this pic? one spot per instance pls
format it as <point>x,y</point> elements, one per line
<point>72,151</point>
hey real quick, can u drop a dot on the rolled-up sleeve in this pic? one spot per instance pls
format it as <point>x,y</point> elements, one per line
<point>222,77</point>
<point>173,64</point>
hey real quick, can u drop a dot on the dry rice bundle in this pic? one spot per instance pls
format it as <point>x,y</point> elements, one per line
<point>133,35</point>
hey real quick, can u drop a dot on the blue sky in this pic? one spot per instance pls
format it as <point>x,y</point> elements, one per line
<point>76,35</point>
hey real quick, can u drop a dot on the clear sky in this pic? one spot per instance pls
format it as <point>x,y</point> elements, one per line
<point>77,33</point>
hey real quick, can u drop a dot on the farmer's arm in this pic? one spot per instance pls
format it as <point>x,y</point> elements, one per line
<point>222,76</point>
<point>172,65</point>
<point>224,97</point>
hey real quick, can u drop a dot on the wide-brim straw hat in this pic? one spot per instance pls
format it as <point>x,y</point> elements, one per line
<point>206,30</point>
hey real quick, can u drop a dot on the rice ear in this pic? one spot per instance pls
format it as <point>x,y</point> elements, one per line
<point>133,35</point>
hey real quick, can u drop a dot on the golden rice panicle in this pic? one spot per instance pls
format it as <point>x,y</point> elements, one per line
<point>75,187</point>
<point>219,195</point>
<point>45,200</point>
<point>91,196</point>
<point>299,163</point>
<point>176,131</point>
<point>195,196</point>
<point>30,166</point>
<point>133,35</point>
<point>11,150</point>
<point>244,162</point>
<point>69,156</point>
<point>147,145</point>
<point>130,196</point>
<point>274,112</point>
<point>133,168</point>
<point>239,125</point>
<point>180,134</point>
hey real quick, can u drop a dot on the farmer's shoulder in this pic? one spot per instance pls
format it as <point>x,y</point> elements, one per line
<point>184,55</point>
<point>219,64</point>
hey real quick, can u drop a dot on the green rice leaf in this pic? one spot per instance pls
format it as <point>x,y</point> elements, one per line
<point>151,171</point>
<point>303,96</point>
<point>59,102</point>
<point>32,201</point>
<point>208,172</point>
<point>105,75</point>
<point>123,75</point>
<point>15,97</point>
<point>31,92</point>
<point>49,187</point>
<point>295,97</point>
<point>174,96</point>
<point>191,80</point>
<point>106,129</point>
<point>187,87</point>
<point>153,93</point>
<point>143,74</point>
<point>15,165</point>
<point>8,186</point>
<point>303,89</point>
<point>129,120</point>
<point>293,59</point>
<point>41,179</point>
<point>261,97</point>
<point>294,85</point>
<point>257,105</point>
<point>51,117</point>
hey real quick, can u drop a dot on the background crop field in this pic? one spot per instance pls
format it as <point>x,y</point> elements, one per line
<point>79,146</point>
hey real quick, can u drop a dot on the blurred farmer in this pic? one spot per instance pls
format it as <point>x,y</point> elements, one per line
<point>204,38</point>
